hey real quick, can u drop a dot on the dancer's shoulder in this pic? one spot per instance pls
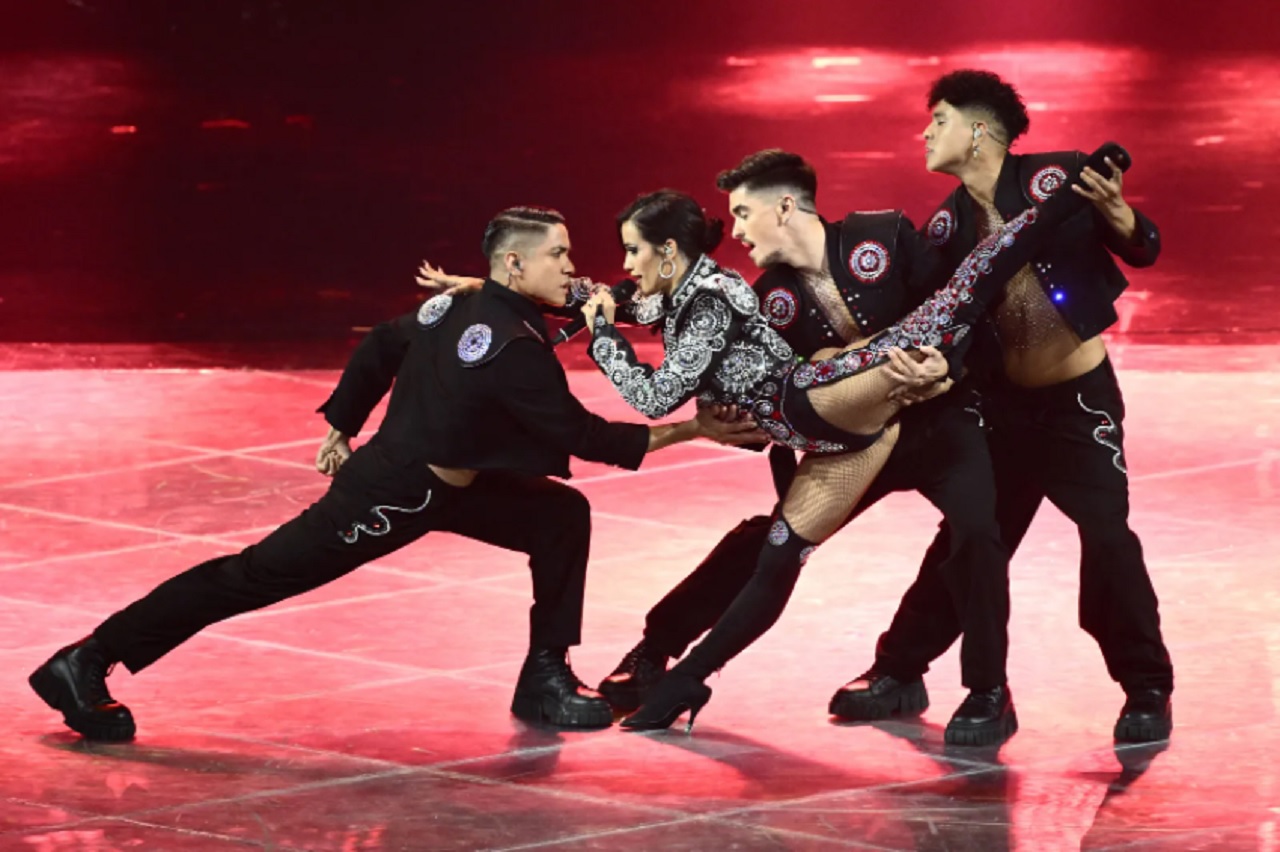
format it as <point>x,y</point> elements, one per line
<point>711,281</point>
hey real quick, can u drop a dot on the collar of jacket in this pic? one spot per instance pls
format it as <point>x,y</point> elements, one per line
<point>522,306</point>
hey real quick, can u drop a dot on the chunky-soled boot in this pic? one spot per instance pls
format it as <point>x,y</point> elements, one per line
<point>548,691</point>
<point>875,696</point>
<point>1147,716</point>
<point>74,682</point>
<point>985,717</point>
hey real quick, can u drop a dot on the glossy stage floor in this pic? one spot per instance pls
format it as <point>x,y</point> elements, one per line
<point>373,713</point>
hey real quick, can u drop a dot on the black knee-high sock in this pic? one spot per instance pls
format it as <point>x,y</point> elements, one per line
<point>756,607</point>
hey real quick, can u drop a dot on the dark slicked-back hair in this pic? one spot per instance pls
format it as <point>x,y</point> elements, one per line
<point>773,168</point>
<point>672,215</point>
<point>515,224</point>
<point>971,89</point>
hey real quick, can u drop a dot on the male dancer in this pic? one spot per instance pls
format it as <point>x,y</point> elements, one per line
<point>480,416</point>
<point>827,284</point>
<point>1055,408</point>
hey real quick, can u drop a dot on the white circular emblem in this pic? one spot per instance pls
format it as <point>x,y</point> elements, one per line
<point>778,533</point>
<point>474,342</point>
<point>780,307</point>
<point>1046,182</point>
<point>869,261</point>
<point>941,226</point>
<point>433,309</point>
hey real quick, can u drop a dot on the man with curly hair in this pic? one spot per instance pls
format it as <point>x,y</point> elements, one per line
<point>1053,404</point>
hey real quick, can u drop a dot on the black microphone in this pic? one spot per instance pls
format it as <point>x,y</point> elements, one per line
<point>621,292</point>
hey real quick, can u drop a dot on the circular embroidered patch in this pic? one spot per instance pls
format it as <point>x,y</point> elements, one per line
<point>474,342</point>
<point>869,261</point>
<point>434,309</point>
<point>780,307</point>
<point>803,376</point>
<point>806,553</point>
<point>1046,182</point>
<point>941,225</point>
<point>778,533</point>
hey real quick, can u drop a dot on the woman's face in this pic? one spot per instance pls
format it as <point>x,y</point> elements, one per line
<point>644,261</point>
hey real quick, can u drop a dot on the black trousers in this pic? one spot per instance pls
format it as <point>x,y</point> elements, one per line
<point>942,453</point>
<point>375,506</point>
<point>1064,442</point>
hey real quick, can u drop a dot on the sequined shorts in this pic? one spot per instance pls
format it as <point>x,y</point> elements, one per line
<point>786,414</point>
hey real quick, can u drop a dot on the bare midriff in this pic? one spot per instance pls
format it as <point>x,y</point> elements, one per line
<point>1040,348</point>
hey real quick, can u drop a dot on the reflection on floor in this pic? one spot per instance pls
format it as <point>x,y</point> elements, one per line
<point>373,713</point>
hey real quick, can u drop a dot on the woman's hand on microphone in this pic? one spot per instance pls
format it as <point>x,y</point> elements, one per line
<point>600,304</point>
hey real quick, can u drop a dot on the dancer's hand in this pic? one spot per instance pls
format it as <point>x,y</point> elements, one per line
<point>1107,194</point>
<point>911,372</point>
<point>435,278</point>
<point>333,452</point>
<point>924,394</point>
<point>726,425</point>
<point>601,303</point>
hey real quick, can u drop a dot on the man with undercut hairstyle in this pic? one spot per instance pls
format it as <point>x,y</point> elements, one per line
<point>480,416</point>
<point>1054,403</point>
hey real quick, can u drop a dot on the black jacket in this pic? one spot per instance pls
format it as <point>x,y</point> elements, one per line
<point>476,386</point>
<point>1075,269</point>
<point>883,269</point>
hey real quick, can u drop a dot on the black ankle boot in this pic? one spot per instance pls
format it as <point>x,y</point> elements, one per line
<point>74,682</point>
<point>640,669</point>
<point>986,717</point>
<point>875,696</point>
<point>1147,716</point>
<point>548,691</point>
<point>673,695</point>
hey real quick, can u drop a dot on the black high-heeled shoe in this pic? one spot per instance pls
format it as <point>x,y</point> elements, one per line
<point>672,695</point>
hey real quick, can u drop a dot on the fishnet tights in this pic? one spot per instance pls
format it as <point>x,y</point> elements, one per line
<point>827,487</point>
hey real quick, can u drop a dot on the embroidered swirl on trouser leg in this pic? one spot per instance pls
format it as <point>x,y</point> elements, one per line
<point>1104,432</point>
<point>383,525</point>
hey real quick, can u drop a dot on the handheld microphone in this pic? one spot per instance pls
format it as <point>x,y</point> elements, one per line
<point>621,292</point>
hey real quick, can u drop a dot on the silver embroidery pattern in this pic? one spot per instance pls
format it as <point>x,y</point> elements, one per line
<point>647,309</point>
<point>1104,432</point>
<point>941,226</point>
<point>779,533</point>
<point>780,307</point>
<point>869,261</point>
<point>580,291</point>
<point>434,309</point>
<point>382,526</point>
<point>768,414</point>
<point>1046,182</point>
<point>474,342</point>
<point>699,321</point>
<point>743,367</point>
<point>806,553</point>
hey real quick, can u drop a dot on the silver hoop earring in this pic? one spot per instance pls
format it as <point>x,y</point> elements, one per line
<point>667,276</point>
